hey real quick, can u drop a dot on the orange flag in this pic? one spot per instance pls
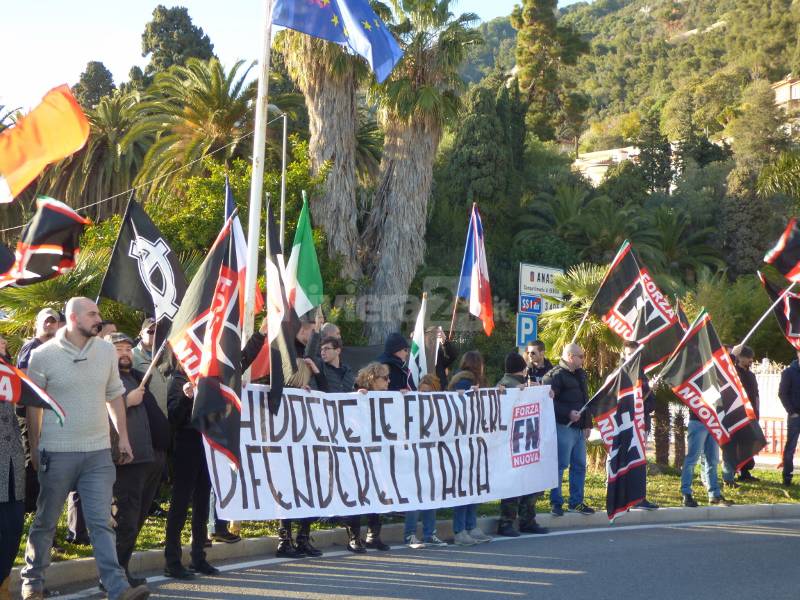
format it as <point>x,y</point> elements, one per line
<point>53,130</point>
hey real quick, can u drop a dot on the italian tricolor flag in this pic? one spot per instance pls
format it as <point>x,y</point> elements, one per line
<point>303,278</point>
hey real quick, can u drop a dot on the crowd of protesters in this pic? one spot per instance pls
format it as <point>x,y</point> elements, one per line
<point>127,438</point>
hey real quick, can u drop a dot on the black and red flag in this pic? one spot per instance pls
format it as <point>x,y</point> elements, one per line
<point>682,318</point>
<point>785,256</point>
<point>703,376</point>
<point>48,245</point>
<point>618,409</point>
<point>283,323</point>
<point>633,307</point>
<point>787,311</point>
<point>206,338</point>
<point>16,387</point>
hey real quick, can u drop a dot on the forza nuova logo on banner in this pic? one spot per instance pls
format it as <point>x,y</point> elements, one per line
<point>525,435</point>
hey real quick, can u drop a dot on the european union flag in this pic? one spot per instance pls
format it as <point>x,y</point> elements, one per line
<point>350,23</point>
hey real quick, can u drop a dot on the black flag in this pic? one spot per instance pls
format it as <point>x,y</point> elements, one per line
<point>283,323</point>
<point>206,338</point>
<point>144,272</point>
<point>787,311</point>
<point>630,303</point>
<point>48,245</point>
<point>785,256</point>
<point>618,409</point>
<point>702,375</point>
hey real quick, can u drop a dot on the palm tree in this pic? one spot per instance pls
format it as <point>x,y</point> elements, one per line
<point>193,111</point>
<point>109,162</point>
<point>561,213</point>
<point>682,252</point>
<point>7,116</point>
<point>328,76</point>
<point>414,104</point>
<point>783,176</point>
<point>559,325</point>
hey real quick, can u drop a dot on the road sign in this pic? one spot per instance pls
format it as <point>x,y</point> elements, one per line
<point>531,305</point>
<point>527,329</point>
<point>537,280</point>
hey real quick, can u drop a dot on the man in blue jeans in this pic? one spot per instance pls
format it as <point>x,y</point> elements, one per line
<point>429,537</point>
<point>567,381</point>
<point>789,393</point>
<point>79,372</point>
<point>701,442</point>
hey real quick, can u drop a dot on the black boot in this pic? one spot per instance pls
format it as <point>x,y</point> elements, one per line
<point>374,538</point>
<point>354,543</point>
<point>286,548</point>
<point>689,501</point>
<point>305,547</point>
<point>506,528</point>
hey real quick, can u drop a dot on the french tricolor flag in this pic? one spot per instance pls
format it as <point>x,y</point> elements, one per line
<point>473,284</point>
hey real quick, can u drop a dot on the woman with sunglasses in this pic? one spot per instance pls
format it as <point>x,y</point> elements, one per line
<point>373,377</point>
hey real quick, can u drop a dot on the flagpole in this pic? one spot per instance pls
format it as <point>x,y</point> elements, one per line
<point>453,320</point>
<point>580,325</point>
<point>257,181</point>
<point>283,180</point>
<point>114,249</point>
<point>769,310</point>
<point>156,357</point>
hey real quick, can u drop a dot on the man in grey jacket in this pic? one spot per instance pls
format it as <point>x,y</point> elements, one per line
<point>79,372</point>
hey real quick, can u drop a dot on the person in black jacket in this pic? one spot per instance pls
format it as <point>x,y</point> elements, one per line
<point>570,394</point>
<point>743,359</point>
<point>789,393</point>
<point>396,350</point>
<point>538,365</point>
<point>137,482</point>
<point>340,377</point>
<point>190,485</point>
<point>441,353</point>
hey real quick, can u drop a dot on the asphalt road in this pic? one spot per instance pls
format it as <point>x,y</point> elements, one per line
<point>749,560</point>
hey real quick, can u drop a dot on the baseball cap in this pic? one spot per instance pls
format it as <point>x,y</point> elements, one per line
<point>44,314</point>
<point>118,338</point>
<point>148,323</point>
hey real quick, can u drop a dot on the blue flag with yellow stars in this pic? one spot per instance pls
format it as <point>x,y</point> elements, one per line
<point>351,23</point>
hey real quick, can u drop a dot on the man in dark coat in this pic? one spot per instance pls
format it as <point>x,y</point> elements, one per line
<point>743,359</point>
<point>538,365</point>
<point>568,382</point>
<point>340,377</point>
<point>789,393</point>
<point>395,356</point>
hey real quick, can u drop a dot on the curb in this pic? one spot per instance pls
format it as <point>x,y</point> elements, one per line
<point>83,570</point>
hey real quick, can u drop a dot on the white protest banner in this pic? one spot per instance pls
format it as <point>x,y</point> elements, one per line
<point>349,454</point>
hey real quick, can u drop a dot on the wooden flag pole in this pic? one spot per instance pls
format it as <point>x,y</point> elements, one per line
<point>257,180</point>
<point>156,357</point>
<point>453,320</point>
<point>764,316</point>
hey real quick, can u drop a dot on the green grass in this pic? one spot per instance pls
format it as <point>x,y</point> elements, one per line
<point>663,489</point>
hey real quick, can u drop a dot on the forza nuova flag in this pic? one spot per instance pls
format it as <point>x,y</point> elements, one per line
<point>303,277</point>
<point>787,311</point>
<point>633,307</point>
<point>48,246</point>
<point>350,23</point>
<point>53,130</point>
<point>144,273</point>
<point>17,388</point>
<point>702,375</point>
<point>785,256</point>
<point>417,360</point>
<point>206,338</point>
<point>618,409</point>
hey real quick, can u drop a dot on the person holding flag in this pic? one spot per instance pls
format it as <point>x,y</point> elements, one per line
<point>12,491</point>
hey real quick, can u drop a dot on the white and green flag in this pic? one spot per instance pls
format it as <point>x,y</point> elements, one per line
<point>303,278</point>
<point>417,361</point>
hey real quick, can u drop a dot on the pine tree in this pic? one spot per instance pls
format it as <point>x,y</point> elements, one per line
<point>655,154</point>
<point>95,82</point>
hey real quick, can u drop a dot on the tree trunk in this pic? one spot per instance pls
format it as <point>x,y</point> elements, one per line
<point>394,238</point>
<point>328,84</point>
<point>679,438</point>
<point>661,428</point>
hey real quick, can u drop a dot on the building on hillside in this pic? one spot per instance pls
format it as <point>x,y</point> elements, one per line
<point>787,93</point>
<point>593,165</point>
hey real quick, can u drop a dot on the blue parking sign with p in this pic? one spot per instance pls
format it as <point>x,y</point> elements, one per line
<point>527,329</point>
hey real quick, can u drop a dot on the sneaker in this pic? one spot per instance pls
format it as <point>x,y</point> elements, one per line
<point>413,542</point>
<point>645,505</point>
<point>689,501</point>
<point>356,546</point>
<point>226,537</point>
<point>478,535</point>
<point>720,501</point>
<point>556,510</point>
<point>434,541</point>
<point>581,508</point>
<point>135,593</point>
<point>462,538</point>
<point>375,543</point>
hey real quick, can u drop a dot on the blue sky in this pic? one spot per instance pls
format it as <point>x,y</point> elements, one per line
<point>52,40</point>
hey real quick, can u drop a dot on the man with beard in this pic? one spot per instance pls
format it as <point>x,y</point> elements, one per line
<point>79,372</point>
<point>137,481</point>
<point>538,365</point>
